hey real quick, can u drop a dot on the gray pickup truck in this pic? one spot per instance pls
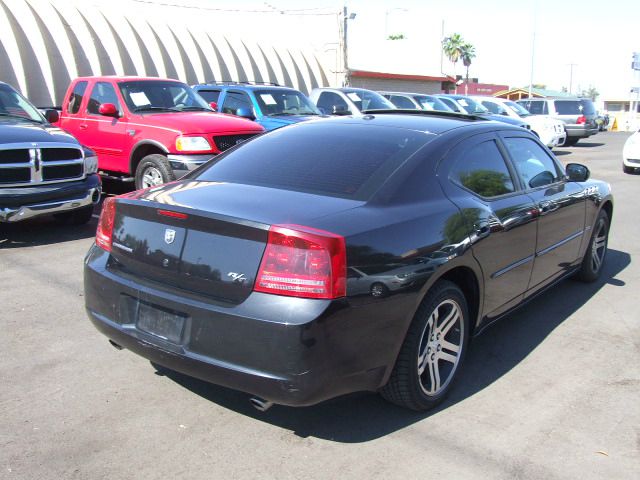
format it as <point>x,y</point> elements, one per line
<point>43,170</point>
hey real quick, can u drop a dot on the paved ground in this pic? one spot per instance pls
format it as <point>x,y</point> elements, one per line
<point>552,392</point>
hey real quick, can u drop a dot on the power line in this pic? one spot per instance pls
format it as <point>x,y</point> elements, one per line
<point>296,12</point>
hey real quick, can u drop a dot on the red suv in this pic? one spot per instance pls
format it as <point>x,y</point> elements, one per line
<point>150,130</point>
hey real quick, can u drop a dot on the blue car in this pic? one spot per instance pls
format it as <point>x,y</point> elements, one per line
<point>272,106</point>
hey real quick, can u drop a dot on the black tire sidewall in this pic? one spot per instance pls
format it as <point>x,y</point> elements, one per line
<point>586,273</point>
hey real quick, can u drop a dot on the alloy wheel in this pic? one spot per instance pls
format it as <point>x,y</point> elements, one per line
<point>151,177</point>
<point>599,246</point>
<point>440,347</point>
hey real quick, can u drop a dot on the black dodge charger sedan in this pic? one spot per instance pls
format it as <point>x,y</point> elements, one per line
<point>343,255</point>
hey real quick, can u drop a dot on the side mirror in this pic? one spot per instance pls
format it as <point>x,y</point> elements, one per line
<point>51,115</point>
<point>577,172</point>
<point>108,110</point>
<point>340,110</point>
<point>245,112</point>
<point>214,105</point>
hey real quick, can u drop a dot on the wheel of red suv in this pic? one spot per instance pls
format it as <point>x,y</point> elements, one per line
<point>433,350</point>
<point>153,170</point>
<point>593,259</point>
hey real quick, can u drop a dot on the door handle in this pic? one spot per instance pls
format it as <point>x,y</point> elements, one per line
<point>547,207</point>
<point>83,126</point>
<point>481,230</point>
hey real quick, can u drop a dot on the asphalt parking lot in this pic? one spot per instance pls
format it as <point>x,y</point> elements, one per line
<point>551,392</point>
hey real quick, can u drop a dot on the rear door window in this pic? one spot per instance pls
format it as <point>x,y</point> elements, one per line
<point>483,170</point>
<point>534,166</point>
<point>537,108</point>
<point>75,99</point>
<point>340,160</point>
<point>575,107</point>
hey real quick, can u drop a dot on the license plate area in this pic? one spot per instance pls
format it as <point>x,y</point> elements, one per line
<point>160,322</point>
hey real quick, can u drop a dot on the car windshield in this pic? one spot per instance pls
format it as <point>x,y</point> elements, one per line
<point>278,102</point>
<point>519,109</point>
<point>469,105</point>
<point>368,100</point>
<point>160,95</point>
<point>14,105</point>
<point>428,102</point>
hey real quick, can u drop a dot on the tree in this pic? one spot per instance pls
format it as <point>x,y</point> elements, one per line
<point>543,86</point>
<point>451,46</point>
<point>591,93</point>
<point>399,36</point>
<point>467,53</point>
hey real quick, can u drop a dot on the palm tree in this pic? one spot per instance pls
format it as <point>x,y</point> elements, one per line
<point>451,46</point>
<point>467,53</point>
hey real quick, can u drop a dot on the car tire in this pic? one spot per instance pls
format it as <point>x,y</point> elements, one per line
<point>79,216</point>
<point>627,169</point>
<point>434,348</point>
<point>594,257</point>
<point>379,290</point>
<point>153,170</point>
<point>570,142</point>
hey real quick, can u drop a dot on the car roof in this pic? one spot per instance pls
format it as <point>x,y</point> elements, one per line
<point>126,78</point>
<point>245,86</point>
<point>433,122</point>
<point>408,94</point>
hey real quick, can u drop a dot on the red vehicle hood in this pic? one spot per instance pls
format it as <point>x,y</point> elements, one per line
<point>199,122</point>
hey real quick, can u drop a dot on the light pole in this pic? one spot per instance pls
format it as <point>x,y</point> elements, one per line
<point>533,44</point>
<point>571,65</point>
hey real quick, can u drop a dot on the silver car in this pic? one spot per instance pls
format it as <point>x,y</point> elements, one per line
<point>578,114</point>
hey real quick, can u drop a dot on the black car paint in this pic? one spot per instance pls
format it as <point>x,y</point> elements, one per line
<point>297,351</point>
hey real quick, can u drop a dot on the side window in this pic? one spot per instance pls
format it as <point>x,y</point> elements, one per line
<point>103,92</point>
<point>352,273</point>
<point>235,100</point>
<point>328,100</point>
<point>494,108</point>
<point>482,169</point>
<point>534,166</point>
<point>210,95</point>
<point>75,99</point>
<point>402,102</point>
<point>535,108</point>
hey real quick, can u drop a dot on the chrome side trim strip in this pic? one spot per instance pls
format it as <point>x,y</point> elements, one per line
<point>512,266</point>
<point>559,244</point>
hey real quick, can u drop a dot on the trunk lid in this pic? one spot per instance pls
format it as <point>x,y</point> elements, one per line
<point>207,238</point>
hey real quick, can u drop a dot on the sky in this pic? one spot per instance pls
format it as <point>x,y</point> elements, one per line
<point>597,36</point>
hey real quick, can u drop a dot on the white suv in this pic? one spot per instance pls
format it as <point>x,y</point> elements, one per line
<point>549,130</point>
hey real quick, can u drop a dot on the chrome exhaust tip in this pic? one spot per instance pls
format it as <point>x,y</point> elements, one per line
<point>260,404</point>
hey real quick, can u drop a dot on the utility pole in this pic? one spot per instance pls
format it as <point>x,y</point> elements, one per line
<point>533,45</point>
<point>346,81</point>
<point>571,65</point>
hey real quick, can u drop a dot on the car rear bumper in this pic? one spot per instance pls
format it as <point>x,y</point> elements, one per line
<point>580,131</point>
<point>22,203</point>
<point>287,350</point>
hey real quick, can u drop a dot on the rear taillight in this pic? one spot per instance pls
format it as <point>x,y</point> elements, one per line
<point>104,234</point>
<point>303,262</point>
<point>581,120</point>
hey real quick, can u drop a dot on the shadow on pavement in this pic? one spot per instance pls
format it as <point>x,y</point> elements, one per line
<point>588,144</point>
<point>559,153</point>
<point>44,231</point>
<point>366,416</point>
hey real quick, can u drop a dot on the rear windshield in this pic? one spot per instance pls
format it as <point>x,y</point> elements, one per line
<point>575,107</point>
<point>339,160</point>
